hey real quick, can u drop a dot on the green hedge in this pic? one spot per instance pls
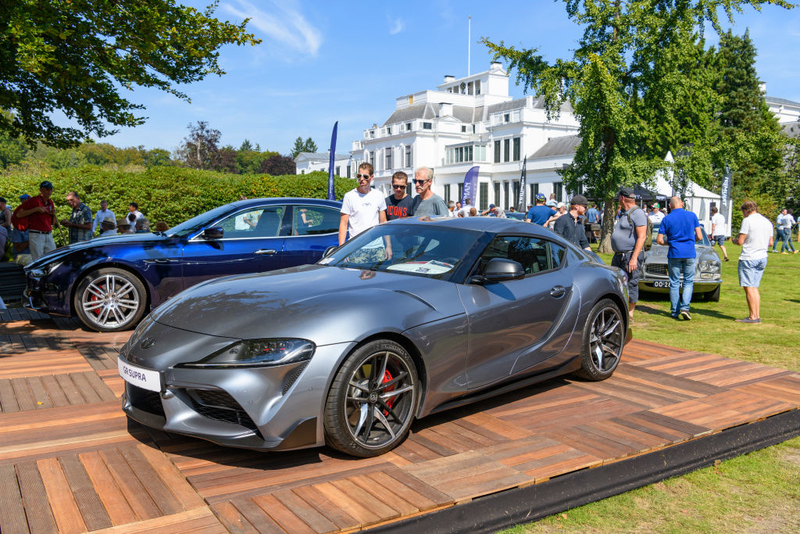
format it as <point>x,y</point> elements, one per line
<point>167,194</point>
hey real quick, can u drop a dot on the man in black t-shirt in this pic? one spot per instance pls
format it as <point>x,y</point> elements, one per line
<point>399,204</point>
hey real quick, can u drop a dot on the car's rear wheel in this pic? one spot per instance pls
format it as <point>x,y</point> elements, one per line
<point>603,341</point>
<point>372,400</point>
<point>110,300</point>
<point>712,296</point>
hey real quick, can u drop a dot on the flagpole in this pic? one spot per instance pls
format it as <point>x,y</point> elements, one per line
<point>469,44</point>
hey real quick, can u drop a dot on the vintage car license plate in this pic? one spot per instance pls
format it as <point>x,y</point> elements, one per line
<point>139,376</point>
<point>661,283</point>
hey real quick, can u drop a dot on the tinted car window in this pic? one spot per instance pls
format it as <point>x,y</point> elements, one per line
<point>534,254</point>
<point>254,223</point>
<point>315,220</point>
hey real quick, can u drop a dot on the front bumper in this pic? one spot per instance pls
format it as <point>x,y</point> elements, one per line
<point>661,285</point>
<point>274,407</point>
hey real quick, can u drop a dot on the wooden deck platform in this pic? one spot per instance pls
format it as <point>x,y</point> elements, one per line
<point>70,461</point>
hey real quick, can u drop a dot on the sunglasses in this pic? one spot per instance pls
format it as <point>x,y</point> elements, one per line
<point>398,186</point>
<point>420,182</point>
<point>363,176</point>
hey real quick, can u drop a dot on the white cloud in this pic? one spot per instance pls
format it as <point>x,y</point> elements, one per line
<point>281,22</point>
<point>396,26</point>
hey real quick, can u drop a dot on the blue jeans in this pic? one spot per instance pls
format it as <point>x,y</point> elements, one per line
<point>778,237</point>
<point>786,240</point>
<point>676,267</point>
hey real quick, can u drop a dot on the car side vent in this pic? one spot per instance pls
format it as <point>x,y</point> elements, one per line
<point>292,376</point>
<point>146,401</point>
<point>219,405</point>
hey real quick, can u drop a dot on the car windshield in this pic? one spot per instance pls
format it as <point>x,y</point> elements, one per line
<point>196,223</point>
<point>418,249</point>
<point>705,240</point>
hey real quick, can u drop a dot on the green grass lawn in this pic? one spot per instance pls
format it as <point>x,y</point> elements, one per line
<point>757,492</point>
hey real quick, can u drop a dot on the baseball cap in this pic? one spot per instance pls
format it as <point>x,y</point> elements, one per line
<point>656,205</point>
<point>45,185</point>
<point>491,206</point>
<point>552,203</point>
<point>579,200</point>
<point>540,197</point>
<point>561,204</point>
<point>26,196</point>
<point>626,192</point>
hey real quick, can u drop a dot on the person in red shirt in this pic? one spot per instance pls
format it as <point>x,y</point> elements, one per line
<point>41,214</point>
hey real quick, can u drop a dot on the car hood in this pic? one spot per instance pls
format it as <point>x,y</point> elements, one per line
<point>321,303</point>
<point>127,239</point>
<point>658,253</point>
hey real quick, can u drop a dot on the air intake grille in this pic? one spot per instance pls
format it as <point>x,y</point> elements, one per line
<point>220,406</point>
<point>656,269</point>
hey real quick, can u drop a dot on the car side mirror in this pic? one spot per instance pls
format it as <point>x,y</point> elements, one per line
<point>500,270</point>
<point>215,232</point>
<point>329,251</point>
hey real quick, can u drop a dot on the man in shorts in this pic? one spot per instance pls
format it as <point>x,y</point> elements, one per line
<point>627,241</point>
<point>718,230</point>
<point>755,237</point>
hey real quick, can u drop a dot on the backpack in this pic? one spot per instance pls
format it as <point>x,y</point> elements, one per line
<point>20,223</point>
<point>648,234</point>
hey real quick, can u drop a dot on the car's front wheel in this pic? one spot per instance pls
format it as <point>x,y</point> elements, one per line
<point>603,341</point>
<point>110,300</point>
<point>372,400</point>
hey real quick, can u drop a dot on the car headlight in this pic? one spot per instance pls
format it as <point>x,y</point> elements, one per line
<point>710,266</point>
<point>257,353</point>
<point>44,270</point>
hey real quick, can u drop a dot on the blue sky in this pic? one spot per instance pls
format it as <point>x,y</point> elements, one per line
<point>347,61</point>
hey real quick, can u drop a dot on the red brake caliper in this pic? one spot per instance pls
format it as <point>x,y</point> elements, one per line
<point>387,377</point>
<point>96,298</point>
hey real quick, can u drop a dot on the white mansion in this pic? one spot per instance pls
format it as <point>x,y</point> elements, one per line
<point>473,121</point>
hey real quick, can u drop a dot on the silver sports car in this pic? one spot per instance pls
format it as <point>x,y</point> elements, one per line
<point>408,318</point>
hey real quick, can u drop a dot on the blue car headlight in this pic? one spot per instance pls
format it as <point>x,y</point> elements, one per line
<point>44,270</point>
<point>257,353</point>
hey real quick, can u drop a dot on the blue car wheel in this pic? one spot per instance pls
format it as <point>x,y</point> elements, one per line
<point>110,300</point>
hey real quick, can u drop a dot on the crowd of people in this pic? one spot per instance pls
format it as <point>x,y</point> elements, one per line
<point>29,227</point>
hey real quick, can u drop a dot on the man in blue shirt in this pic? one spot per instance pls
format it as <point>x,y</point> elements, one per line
<point>539,213</point>
<point>682,229</point>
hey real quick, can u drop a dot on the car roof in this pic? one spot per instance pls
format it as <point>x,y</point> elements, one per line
<point>478,224</point>
<point>286,200</point>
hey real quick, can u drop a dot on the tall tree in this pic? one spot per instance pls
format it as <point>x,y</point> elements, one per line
<point>77,55</point>
<point>303,146</point>
<point>617,68</point>
<point>278,165</point>
<point>751,142</point>
<point>310,145</point>
<point>200,148</point>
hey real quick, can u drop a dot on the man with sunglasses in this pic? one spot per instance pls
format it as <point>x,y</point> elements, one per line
<point>363,207</point>
<point>427,202</point>
<point>400,203</point>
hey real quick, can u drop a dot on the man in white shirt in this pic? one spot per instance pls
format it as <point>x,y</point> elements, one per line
<point>718,230</point>
<point>102,215</point>
<point>363,207</point>
<point>755,237</point>
<point>655,214</point>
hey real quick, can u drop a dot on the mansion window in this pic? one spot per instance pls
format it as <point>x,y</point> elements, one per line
<point>497,151</point>
<point>427,126</point>
<point>503,152</point>
<point>507,149</point>
<point>465,153</point>
<point>408,126</point>
<point>516,148</point>
<point>408,157</point>
<point>388,159</point>
<point>484,196</point>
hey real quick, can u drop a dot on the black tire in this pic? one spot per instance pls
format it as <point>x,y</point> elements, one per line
<point>372,401</point>
<point>110,300</point>
<point>712,296</point>
<point>603,341</point>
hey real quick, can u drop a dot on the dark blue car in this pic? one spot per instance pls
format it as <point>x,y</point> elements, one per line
<point>110,283</point>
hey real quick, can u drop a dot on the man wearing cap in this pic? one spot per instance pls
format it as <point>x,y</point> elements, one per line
<point>627,242</point>
<point>494,211</point>
<point>569,227</point>
<point>540,213</point>
<point>655,214</point>
<point>108,226</point>
<point>41,214</point>
<point>80,220</point>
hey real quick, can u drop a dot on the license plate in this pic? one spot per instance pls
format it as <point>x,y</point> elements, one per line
<point>139,376</point>
<point>661,283</point>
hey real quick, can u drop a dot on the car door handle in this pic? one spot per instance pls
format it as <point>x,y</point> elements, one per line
<point>269,251</point>
<point>558,291</point>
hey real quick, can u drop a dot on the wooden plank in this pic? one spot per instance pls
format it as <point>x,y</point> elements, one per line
<point>89,503</point>
<point>257,517</point>
<point>282,514</point>
<point>366,499</point>
<point>99,387</point>
<point>54,391</point>
<point>363,515</point>
<point>419,486</point>
<point>34,499</point>
<point>114,502</point>
<point>88,392</point>
<point>12,512</point>
<point>338,516</point>
<point>385,494</point>
<point>172,477</point>
<point>305,511</point>
<point>232,519</point>
<point>162,496</point>
<point>403,492</point>
<point>59,495</point>
<point>135,494</point>
<point>196,520</point>
<point>8,401</point>
<point>23,394</point>
<point>70,390</point>
<point>39,393</point>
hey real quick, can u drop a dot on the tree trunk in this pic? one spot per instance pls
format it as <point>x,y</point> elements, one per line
<point>608,228</point>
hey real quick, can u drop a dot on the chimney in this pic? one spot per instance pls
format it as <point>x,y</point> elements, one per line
<point>449,78</point>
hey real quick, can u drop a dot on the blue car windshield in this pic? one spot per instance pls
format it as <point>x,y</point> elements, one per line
<point>419,250</point>
<point>196,223</point>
